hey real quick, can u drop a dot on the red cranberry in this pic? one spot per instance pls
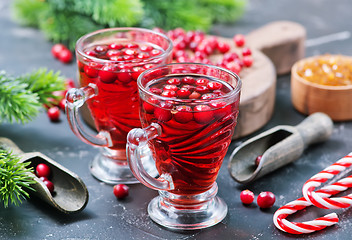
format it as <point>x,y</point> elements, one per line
<point>258,159</point>
<point>247,61</point>
<point>184,114</point>
<point>208,96</point>
<point>155,52</point>
<point>174,81</point>
<point>129,52</point>
<point>131,45</point>
<point>43,178</point>
<point>108,73</point>
<point>124,76</point>
<point>116,46</point>
<point>92,69</point>
<point>266,199</point>
<point>136,72</point>
<point>246,51</point>
<point>143,55</point>
<point>168,93</point>
<point>163,113</point>
<point>91,53</point>
<point>49,185</point>
<point>188,80</point>
<point>121,191</point>
<point>194,95</point>
<point>54,114</point>
<point>146,48</point>
<point>157,91</point>
<point>188,87</point>
<point>228,57</point>
<point>62,104</point>
<point>101,49</point>
<point>202,89</point>
<point>170,88</point>
<point>42,170</point>
<point>149,106</point>
<point>203,114</point>
<point>234,67</point>
<point>214,85</point>
<point>221,110</point>
<point>69,83</point>
<point>57,49</point>
<point>202,81</point>
<point>183,93</point>
<point>65,56</point>
<point>113,52</point>
<point>223,47</point>
<point>247,197</point>
<point>239,40</point>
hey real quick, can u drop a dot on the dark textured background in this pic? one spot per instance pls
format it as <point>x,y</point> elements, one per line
<point>24,49</point>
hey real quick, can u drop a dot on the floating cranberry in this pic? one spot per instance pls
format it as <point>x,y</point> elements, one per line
<point>108,73</point>
<point>184,114</point>
<point>131,45</point>
<point>124,76</point>
<point>188,80</point>
<point>149,106</point>
<point>146,48</point>
<point>170,87</point>
<point>163,113</point>
<point>202,89</point>
<point>65,56</point>
<point>157,91</point>
<point>49,185</point>
<point>183,93</point>
<point>194,95</point>
<point>116,46</point>
<point>92,69</point>
<point>239,40</point>
<point>168,93</point>
<point>174,81</point>
<point>202,81</point>
<point>247,197</point>
<point>266,199</point>
<point>113,52</point>
<point>188,87</point>
<point>136,71</point>
<point>91,53</point>
<point>247,61</point>
<point>101,49</point>
<point>214,85</point>
<point>155,52</point>
<point>54,114</point>
<point>221,109</point>
<point>42,170</point>
<point>208,96</point>
<point>203,114</point>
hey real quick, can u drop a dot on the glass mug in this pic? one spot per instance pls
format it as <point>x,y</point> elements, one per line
<point>109,63</point>
<point>188,114</point>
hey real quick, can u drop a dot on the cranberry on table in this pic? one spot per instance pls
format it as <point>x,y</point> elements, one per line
<point>239,40</point>
<point>65,56</point>
<point>247,61</point>
<point>258,159</point>
<point>121,191</point>
<point>57,49</point>
<point>266,199</point>
<point>54,114</point>
<point>42,170</point>
<point>247,196</point>
<point>62,104</point>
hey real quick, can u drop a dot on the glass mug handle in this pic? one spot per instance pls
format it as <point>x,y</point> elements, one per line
<point>75,98</point>
<point>138,138</point>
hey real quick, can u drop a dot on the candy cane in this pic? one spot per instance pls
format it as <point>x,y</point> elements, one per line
<point>319,198</point>
<point>323,176</point>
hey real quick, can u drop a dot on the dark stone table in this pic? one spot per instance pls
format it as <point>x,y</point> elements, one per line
<point>24,49</point>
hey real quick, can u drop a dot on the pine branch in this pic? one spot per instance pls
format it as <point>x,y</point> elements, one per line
<point>14,179</point>
<point>28,12</point>
<point>22,97</point>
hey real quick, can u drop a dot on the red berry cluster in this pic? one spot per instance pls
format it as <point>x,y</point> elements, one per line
<point>197,47</point>
<point>43,172</point>
<point>264,199</point>
<point>62,53</point>
<point>187,88</point>
<point>120,191</point>
<point>118,53</point>
<point>53,109</point>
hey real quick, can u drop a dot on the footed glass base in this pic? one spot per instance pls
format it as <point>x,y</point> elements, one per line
<point>111,167</point>
<point>188,212</point>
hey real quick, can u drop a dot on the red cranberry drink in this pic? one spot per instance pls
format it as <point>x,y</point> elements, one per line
<point>188,114</point>
<point>109,63</point>
<point>195,133</point>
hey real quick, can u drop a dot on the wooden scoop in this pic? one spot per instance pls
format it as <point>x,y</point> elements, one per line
<point>278,147</point>
<point>70,195</point>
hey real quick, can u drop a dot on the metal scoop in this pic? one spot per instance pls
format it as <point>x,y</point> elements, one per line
<point>277,146</point>
<point>71,194</point>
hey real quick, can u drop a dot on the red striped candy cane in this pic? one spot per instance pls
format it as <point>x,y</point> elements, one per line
<point>322,201</point>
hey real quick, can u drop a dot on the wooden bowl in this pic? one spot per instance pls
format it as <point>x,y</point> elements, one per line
<point>308,97</point>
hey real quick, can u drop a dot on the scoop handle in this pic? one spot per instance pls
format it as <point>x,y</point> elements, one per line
<point>315,128</point>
